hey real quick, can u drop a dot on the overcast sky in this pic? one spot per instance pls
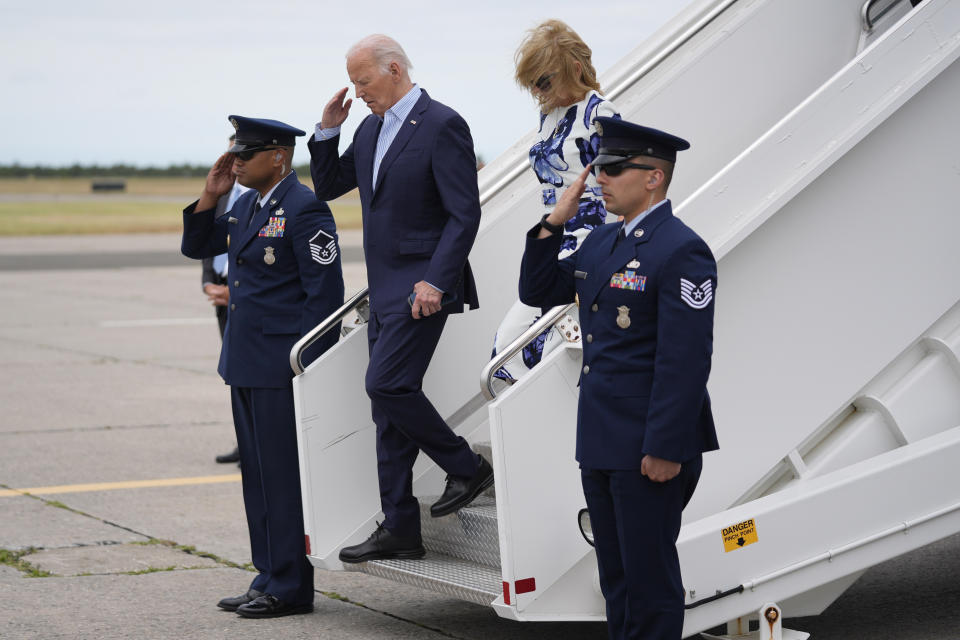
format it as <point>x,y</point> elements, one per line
<point>104,81</point>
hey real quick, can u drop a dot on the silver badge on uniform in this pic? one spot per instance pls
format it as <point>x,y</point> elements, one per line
<point>278,212</point>
<point>633,264</point>
<point>623,317</point>
<point>638,233</point>
<point>696,296</point>
<point>268,256</point>
<point>273,201</point>
<point>323,248</point>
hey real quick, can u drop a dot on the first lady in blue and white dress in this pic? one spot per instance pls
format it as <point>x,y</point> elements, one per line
<point>553,63</point>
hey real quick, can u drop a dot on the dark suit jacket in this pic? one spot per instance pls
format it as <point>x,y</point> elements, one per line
<point>421,218</point>
<point>281,286</point>
<point>207,274</point>
<point>643,388</point>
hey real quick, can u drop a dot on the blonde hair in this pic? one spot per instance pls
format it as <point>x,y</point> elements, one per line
<point>554,48</point>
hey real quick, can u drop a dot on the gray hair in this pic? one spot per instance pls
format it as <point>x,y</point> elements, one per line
<point>385,50</point>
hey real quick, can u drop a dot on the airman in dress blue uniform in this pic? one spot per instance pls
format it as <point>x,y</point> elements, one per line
<point>646,291</point>
<point>285,278</point>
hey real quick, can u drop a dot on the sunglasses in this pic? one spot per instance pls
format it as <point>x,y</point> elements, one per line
<point>246,154</point>
<point>543,82</point>
<point>617,168</point>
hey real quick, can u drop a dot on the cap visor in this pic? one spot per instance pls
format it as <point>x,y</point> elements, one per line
<point>240,146</point>
<point>607,158</point>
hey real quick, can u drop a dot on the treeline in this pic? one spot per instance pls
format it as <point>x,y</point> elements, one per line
<point>114,171</point>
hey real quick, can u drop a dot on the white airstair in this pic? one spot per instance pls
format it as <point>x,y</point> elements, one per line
<point>824,175</point>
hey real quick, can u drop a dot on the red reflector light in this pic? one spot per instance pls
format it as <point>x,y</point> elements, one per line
<point>526,585</point>
<point>506,593</point>
<point>306,540</point>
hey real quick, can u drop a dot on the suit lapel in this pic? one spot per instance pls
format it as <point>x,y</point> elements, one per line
<point>364,151</point>
<point>406,131</point>
<point>263,215</point>
<point>628,249</point>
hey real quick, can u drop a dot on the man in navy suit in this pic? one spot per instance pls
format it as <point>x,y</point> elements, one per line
<point>645,288</point>
<point>285,278</point>
<point>413,163</point>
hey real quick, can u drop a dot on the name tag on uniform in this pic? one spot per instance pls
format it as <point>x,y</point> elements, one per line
<point>274,228</point>
<point>629,280</point>
<point>580,275</point>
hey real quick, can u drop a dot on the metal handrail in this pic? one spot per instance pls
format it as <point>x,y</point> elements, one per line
<point>866,22</point>
<point>548,319</point>
<point>304,343</point>
<point>619,88</point>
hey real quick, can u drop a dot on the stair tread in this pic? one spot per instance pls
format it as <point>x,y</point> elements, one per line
<point>483,505</point>
<point>442,573</point>
<point>470,533</point>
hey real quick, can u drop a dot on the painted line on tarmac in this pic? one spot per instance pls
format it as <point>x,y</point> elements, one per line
<point>130,484</point>
<point>120,260</point>
<point>156,322</point>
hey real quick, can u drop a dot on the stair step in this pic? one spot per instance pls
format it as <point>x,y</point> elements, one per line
<point>450,576</point>
<point>469,534</point>
<point>484,449</point>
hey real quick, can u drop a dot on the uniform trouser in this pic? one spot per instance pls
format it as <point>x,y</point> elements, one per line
<point>400,351</point>
<point>266,435</point>
<point>635,525</point>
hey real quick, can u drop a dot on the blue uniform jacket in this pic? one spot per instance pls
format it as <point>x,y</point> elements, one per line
<point>284,275</point>
<point>421,218</point>
<point>646,313</point>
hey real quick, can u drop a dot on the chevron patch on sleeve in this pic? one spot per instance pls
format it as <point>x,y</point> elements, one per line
<point>696,296</point>
<point>323,248</point>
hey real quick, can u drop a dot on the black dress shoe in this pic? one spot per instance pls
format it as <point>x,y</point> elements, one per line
<point>267,606</point>
<point>462,491</point>
<point>233,456</point>
<point>383,545</point>
<point>231,604</point>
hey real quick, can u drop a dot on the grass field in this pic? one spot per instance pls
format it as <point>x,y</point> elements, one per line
<point>68,206</point>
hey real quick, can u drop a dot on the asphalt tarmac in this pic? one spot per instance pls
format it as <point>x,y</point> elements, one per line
<point>112,413</point>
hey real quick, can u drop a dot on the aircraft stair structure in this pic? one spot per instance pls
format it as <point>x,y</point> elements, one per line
<point>824,176</point>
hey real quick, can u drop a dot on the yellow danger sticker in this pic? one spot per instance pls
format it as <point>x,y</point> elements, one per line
<point>739,535</point>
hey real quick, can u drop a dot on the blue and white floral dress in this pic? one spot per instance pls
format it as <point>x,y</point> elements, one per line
<point>568,142</point>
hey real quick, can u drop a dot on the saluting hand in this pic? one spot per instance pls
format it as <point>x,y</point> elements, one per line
<point>568,204</point>
<point>658,469</point>
<point>220,180</point>
<point>336,111</point>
